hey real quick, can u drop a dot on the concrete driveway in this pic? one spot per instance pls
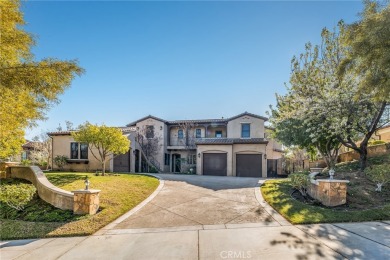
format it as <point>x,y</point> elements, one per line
<point>201,217</point>
<point>202,202</point>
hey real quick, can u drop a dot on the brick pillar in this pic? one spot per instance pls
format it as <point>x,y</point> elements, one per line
<point>85,201</point>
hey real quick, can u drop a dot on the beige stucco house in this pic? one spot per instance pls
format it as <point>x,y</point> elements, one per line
<point>235,146</point>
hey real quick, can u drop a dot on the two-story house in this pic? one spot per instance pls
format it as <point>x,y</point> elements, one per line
<point>235,146</point>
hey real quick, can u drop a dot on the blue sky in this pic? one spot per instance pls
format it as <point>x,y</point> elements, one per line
<point>175,60</point>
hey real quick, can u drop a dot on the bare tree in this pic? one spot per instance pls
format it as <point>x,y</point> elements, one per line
<point>188,141</point>
<point>42,150</point>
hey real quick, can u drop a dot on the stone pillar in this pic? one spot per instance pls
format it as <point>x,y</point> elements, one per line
<point>329,192</point>
<point>5,171</point>
<point>86,201</point>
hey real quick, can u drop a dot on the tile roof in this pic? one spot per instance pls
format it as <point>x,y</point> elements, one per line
<point>123,128</point>
<point>146,117</point>
<point>231,141</point>
<point>221,120</point>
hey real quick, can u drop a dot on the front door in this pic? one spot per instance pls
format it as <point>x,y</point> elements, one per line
<point>176,163</point>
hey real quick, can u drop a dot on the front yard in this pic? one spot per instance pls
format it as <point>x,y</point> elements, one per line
<point>119,194</point>
<point>277,194</point>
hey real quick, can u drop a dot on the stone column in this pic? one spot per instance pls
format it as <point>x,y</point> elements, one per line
<point>85,201</point>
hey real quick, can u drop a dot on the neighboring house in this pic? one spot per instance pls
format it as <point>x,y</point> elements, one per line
<point>235,146</point>
<point>382,134</point>
<point>27,148</point>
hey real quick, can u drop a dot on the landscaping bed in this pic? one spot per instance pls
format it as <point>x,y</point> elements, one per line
<point>119,194</point>
<point>363,202</point>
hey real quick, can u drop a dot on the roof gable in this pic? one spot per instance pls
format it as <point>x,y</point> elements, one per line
<point>144,118</point>
<point>248,114</point>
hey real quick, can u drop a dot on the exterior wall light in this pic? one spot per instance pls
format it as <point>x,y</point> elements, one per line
<point>198,155</point>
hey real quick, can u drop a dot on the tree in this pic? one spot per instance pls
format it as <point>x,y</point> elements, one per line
<point>104,142</point>
<point>331,108</point>
<point>27,87</point>
<point>368,50</point>
<point>42,150</point>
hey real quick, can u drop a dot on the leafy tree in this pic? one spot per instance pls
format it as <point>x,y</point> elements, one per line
<point>331,108</point>
<point>368,50</point>
<point>42,150</point>
<point>104,142</point>
<point>27,87</point>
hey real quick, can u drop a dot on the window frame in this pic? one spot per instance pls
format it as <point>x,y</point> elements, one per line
<point>76,150</point>
<point>248,131</point>
<point>86,150</point>
<point>198,131</point>
<point>180,134</point>
<point>217,132</point>
<point>149,132</point>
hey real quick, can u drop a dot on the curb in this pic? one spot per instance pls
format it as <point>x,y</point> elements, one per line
<point>120,219</point>
<point>270,210</point>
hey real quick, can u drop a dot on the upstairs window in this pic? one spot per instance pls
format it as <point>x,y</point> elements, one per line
<point>198,133</point>
<point>245,130</point>
<point>218,134</point>
<point>149,131</point>
<point>180,134</point>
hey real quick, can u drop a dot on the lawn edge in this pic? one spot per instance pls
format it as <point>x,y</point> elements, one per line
<point>123,217</point>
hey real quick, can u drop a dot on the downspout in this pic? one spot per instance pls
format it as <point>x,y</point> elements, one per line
<point>52,151</point>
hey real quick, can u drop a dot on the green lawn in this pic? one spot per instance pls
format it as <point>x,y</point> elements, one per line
<point>277,194</point>
<point>119,194</point>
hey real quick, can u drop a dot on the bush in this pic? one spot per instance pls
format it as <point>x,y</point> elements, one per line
<point>380,174</point>
<point>26,162</point>
<point>61,161</point>
<point>300,181</point>
<point>17,195</point>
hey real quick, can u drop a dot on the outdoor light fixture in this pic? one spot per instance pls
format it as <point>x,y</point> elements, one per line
<point>198,155</point>
<point>160,127</point>
<point>86,182</point>
<point>331,174</point>
<point>265,156</point>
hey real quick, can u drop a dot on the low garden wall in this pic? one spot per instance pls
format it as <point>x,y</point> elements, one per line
<point>372,151</point>
<point>329,192</point>
<point>81,201</point>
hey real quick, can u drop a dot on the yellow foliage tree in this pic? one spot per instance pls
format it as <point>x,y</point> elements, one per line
<point>27,87</point>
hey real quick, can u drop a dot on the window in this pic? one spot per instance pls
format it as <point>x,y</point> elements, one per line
<point>75,148</point>
<point>218,134</point>
<point>180,134</point>
<point>149,131</point>
<point>24,156</point>
<point>167,159</point>
<point>245,130</point>
<point>84,151</point>
<point>198,133</point>
<point>191,159</point>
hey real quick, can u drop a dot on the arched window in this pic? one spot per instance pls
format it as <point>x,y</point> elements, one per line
<point>180,134</point>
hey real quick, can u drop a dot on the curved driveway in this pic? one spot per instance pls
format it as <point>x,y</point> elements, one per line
<point>202,201</point>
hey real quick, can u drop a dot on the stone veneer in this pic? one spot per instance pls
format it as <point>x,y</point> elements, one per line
<point>86,201</point>
<point>329,192</point>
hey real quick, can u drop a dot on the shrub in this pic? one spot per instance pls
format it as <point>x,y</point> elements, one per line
<point>380,174</point>
<point>26,162</point>
<point>17,195</point>
<point>300,181</point>
<point>60,161</point>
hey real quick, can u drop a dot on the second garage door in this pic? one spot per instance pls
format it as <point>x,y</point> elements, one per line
<point>249,165</point>
<point>215,164</point>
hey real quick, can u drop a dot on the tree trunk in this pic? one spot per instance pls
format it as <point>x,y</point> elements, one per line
<point>103,167</point>
<point>363,156</point>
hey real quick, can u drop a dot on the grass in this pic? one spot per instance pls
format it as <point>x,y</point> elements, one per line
<point>277,194</point>
<point>119,194</point>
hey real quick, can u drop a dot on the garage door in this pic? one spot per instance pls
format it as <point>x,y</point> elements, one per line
<point>215,164</point>
<point>248,165</point>
<point>122,163</point>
